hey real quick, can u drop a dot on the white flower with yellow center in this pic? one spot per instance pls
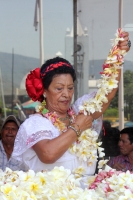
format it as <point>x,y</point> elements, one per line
<point>34,187</point>
<point>26,176</point>
<point>102,163</point>
<point>42,178</point>
<point>59,173</point>
<point>112,83</point>
<point>7,188</point>
<point>79,171</point>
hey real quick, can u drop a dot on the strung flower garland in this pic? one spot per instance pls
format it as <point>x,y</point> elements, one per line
<point>86,147</point>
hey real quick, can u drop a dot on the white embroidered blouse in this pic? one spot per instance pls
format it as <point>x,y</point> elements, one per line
<point>37,128</point>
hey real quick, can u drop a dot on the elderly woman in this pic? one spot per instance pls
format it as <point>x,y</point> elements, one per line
<point>44,139</point>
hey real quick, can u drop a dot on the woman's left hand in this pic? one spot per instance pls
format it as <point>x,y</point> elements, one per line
<point>123,45</point>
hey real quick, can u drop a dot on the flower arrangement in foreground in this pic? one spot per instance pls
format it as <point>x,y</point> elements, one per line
<point>111,184</point>
<point>60,184</point>
<point>87,144</point>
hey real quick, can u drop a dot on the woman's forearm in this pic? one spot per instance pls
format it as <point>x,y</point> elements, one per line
<point>49,151</point>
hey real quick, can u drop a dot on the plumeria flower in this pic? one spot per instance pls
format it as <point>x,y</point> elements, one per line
<point>7,188</point>
<point>82,109</point>
<point>102,163</point>
<point>82,154</point>
<point>112,83</point>
<point>34,187</point>
<point>79,171</point>
<point>42,177</point>
<point>60,173</point>
<point>101,154</point>
<point>28,175</point>
<point>38,108</point>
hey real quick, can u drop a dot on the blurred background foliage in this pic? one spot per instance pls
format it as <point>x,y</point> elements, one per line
<point>112,112</point>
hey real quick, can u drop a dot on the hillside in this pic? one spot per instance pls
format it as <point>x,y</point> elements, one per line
<point>96,66</point>
<point>23,64</point>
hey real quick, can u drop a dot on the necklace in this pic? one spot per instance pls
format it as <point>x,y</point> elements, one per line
<point>64,118</point>
<point>57,122</point>
<point>55,119</point>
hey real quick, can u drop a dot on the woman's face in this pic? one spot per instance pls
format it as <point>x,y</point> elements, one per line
<point>59,94</point>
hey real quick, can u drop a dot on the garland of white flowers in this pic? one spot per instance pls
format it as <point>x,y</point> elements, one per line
<point>61,184</point>
<point>86,147</point>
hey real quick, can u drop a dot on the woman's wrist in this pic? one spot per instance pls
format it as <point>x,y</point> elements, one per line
<point>79,129</point>
<point>74,128</point>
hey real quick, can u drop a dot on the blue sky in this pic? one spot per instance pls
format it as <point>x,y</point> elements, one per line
<point>17,30</point>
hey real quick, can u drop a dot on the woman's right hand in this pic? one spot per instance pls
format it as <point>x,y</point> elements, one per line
<point>84,121</point>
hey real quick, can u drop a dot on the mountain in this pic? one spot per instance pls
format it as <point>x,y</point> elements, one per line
<point>22,65</point>
<point>95,67</point>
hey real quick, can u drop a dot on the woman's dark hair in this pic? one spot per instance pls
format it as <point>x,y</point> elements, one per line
<point>129,132</point>
<point>64,69</point>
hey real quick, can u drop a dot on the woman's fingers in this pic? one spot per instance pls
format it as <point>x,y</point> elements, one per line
<point>124,45</point>
<point>125,34</point>
<point>84,122</point>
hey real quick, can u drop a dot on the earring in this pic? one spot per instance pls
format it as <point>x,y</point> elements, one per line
<point>44,96</point>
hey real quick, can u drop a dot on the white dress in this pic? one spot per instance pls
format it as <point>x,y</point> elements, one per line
<point>37,128</point>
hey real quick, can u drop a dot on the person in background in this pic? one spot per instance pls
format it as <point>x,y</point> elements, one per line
<point>106,125</point>
<point>109,137</point>
<point>110,142</point>
<point>9,131</point>
<point>124,161</point>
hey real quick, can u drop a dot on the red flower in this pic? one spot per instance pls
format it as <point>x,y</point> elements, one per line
<point>34,85</point>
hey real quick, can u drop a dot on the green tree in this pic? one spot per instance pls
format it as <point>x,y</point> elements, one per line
<point>111,112</point>
<point>114,102</point>
<point>128,94</point>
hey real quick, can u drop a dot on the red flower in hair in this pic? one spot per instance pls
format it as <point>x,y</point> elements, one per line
<point>34,85</point>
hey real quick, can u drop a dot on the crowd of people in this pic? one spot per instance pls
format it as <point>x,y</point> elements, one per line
<point>43,141</point>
